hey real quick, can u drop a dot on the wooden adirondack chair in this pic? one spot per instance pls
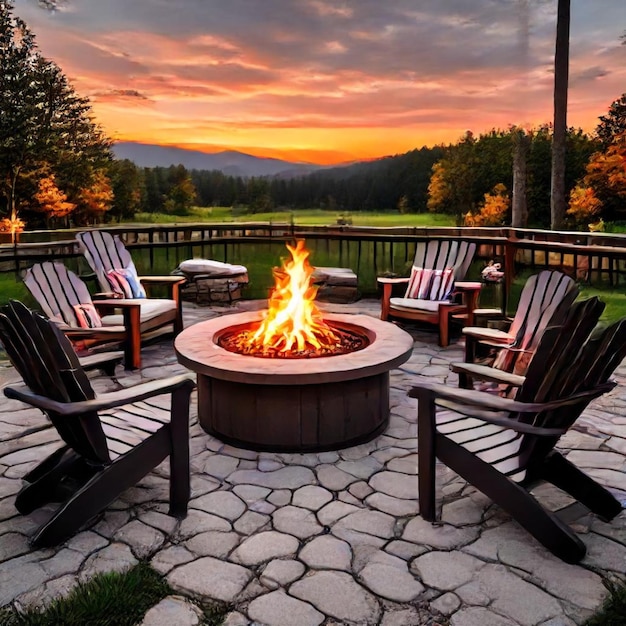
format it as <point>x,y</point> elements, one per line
<point>505,446</point>
<point>108,258</point>
<point>60,293</point>
<point>437,256</point>
<point>109,442</point>
<point>545,300</point>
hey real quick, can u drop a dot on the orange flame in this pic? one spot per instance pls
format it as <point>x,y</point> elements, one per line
<point>292,321</point>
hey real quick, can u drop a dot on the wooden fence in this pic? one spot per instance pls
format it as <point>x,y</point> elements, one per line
<point>589,257</point>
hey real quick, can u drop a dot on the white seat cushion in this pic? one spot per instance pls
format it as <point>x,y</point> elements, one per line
<point>150,308</point>
<point>208,266</point>
<point>411,304</point>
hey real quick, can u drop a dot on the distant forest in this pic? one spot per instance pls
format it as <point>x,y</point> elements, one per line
<point>397,183</point>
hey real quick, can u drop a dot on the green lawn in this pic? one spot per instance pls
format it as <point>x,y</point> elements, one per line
<point>307,217</point>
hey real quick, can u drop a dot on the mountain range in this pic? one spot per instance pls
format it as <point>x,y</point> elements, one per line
<point>229,162</point>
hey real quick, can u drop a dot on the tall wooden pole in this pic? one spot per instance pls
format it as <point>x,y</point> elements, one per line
<point>558,200</point>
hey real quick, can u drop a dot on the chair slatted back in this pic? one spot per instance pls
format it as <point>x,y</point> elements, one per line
<point>439,254</point>
<point>544,301</point>
<point>573,358</point>
<point>45,359</point>
<point>57,290</point>
<point>104,252</point>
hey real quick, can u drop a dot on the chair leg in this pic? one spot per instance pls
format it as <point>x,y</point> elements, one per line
<point>132,344</point>
<point>444,327</point>
<point>48,486</point>
<point>426,455</point>
<point>465,381</point>
<point>566,476</point>
<point>180,489</point>
<point>544,525</point>
<point>102,489</point>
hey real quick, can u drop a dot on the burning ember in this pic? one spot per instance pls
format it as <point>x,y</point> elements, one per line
<point>293,326</point>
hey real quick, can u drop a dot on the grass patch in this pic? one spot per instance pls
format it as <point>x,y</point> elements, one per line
<point>305,217</point>
<point>109,599</point>
<point>613,611</point>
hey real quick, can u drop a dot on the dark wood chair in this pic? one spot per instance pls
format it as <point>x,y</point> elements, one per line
<point>438,255</point>
<point>545,300</point>
<point>59,292</point>
<point>108,442</point>
<point>105,252</point>
<point>506,446</point>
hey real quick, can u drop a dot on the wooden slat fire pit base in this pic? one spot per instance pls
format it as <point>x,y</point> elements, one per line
<point>288,418</point>
<point>293,405</point>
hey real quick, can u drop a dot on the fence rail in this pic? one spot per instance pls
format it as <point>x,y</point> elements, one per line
<point>587,256</point>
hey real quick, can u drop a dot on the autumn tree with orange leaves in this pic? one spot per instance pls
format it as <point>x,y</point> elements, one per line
<point>51,201</point>
<point>94,201</point>
<point>494,209</point>
<point>602,191</point>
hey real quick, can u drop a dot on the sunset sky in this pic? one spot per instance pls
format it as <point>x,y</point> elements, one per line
<point>328,81</point>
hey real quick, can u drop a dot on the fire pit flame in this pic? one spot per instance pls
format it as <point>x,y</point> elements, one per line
<point>293,326</point>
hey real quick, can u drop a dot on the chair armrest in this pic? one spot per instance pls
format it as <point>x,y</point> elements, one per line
<point>162,280</point>
<point>108,400</point>
<point>392,281</point>
<point>173,284</point>
<point>480,333</point>
<point>432,391</point>
<point>92,361</point>
<point>489,374</point>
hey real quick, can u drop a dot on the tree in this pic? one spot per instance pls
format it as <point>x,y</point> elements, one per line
<point>603,187</point>
<point>521,146</point>
<point>181,194</point>
<point>494,209</point>
<point>127,181</point>
<point>613,123</point>
<point>51,201</point>
<point>95,200</point>
<point>44,126</point>
<point>558,197</point>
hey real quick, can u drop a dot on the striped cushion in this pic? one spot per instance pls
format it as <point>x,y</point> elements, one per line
<point>125,282</point>
<point>87,316</point>
<point>425,284</point>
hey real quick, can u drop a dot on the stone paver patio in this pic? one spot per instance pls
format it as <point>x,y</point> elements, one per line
<point>327,538</point>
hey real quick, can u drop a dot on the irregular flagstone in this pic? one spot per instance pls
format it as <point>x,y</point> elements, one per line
<point>173,610</point>
<point>370,522</point>
<point>222,503</point>
<point>405,465</point>
<point>311,497</point>
<point>290,477</point>
<point>213,543</point>
<point>281,572</point>
<point>167,559</point>
<point>327,552</point>
<point>210,578</point>
<point>362,468</point>
<point>605,553</point>
<point>334,511</point>
<point>333,478</point>
<point>392,506</point>
<point>116,557</point>
<point>250,522</point>
<point>441,536</point>
<point>513,546</point>
<point>251,493</point>
<point>279,609</point>
<point>338,595</point>
<point>446,570</point>
<point>20,575</point>
<point>389,577</point>
<point>143,540</point>
<point>293,520</point>
<point>265,546</point>
<point>477,616</point>
<point>395,484</point>
<point>463,511</point>
<point>517,599</point>
<point>199,521</point>
<point>220,466</point>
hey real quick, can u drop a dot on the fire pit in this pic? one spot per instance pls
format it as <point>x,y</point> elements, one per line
<point>287,391</point>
